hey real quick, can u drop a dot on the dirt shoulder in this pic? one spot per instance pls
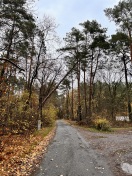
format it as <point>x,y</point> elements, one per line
<point>116,147</point>
<point>21,154</point>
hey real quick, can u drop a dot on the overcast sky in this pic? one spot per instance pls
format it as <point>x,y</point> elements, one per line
<point>69,13</point>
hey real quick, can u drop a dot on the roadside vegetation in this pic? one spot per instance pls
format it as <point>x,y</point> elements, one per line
<point>21,154</point>
<point>87,78</point>
<point>103,72</point>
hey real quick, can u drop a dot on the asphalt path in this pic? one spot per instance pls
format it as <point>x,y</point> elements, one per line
<point>70,155</point>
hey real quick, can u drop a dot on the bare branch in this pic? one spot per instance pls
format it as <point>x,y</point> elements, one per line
<point>7,60</point>
<point>53,90</point>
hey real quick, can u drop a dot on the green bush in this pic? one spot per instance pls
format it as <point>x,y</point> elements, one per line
<point>102,124</point>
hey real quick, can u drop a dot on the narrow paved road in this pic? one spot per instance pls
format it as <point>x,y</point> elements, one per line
<point>70,155</point>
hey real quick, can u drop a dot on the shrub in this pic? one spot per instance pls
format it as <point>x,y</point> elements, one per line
<point>102,124</point>
<point>49,115</point>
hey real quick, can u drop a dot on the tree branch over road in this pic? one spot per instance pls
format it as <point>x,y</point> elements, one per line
<point>53,90</point>
<point>7,60</point>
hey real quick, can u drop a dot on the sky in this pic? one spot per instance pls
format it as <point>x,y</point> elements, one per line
<point>69,13</point>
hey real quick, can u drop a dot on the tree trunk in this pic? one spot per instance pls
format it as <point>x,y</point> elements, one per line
<point>40,104</point>
<point>92,77</point>
<point>85,95</point>
<point>130,38</point>
<point>31,63</point>
<point>72,101</point>
<point>35,72</point>
<point>67,105</point>
<point>79,113</point>
<point>90,92</point>
<point>26,72</point>
<point>131,51</point>
<point>128,89</point>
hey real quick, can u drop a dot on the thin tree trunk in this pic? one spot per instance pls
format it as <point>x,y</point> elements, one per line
<point>79,97</point>
<point>90,91</point>
<point>40,101</point>
<point>92,77</point>
<point>35,72</point>
<point>72,102</point>
<point>85,95</point>
<point>131,51</point>
<point>127,87</point>
<point>67,104</point>
<point>26,70</point>
<point>130,38</point>
<point>30,69</point>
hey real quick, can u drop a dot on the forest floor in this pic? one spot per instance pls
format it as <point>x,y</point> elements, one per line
<point>21,154</point>
<point>115,146</point>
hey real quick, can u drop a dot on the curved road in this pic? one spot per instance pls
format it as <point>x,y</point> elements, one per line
<point>70,155</point>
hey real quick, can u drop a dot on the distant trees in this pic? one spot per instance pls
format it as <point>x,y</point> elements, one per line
<point>95,43</point>
<point>72,48</point>
<point>121,15</point>
<point>120,49</point>
<point>104,67</point>
<point>101,66</point>
<point>93,69</point>
<point>65,87</point>
<point>86,48</point>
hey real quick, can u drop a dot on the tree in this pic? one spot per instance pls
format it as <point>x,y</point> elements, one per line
<point>29,45</point>
<point>121,14</point>
<point>41,51</point>
<point>73,49</point>
<point>72,96</point>
<point>93,47</point>
<point>65,87</point>
<point>120,47</point>
<point>16,24</point>
<point>112,79</point>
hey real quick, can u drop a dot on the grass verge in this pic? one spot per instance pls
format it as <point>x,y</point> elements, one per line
<point>94,130</point>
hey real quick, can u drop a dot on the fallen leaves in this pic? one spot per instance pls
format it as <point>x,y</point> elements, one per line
<point>20,154</point>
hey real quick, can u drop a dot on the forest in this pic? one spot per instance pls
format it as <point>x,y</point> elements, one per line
<point>85,78</point>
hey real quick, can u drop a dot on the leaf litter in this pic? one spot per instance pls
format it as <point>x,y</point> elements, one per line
<point>20,154</point>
